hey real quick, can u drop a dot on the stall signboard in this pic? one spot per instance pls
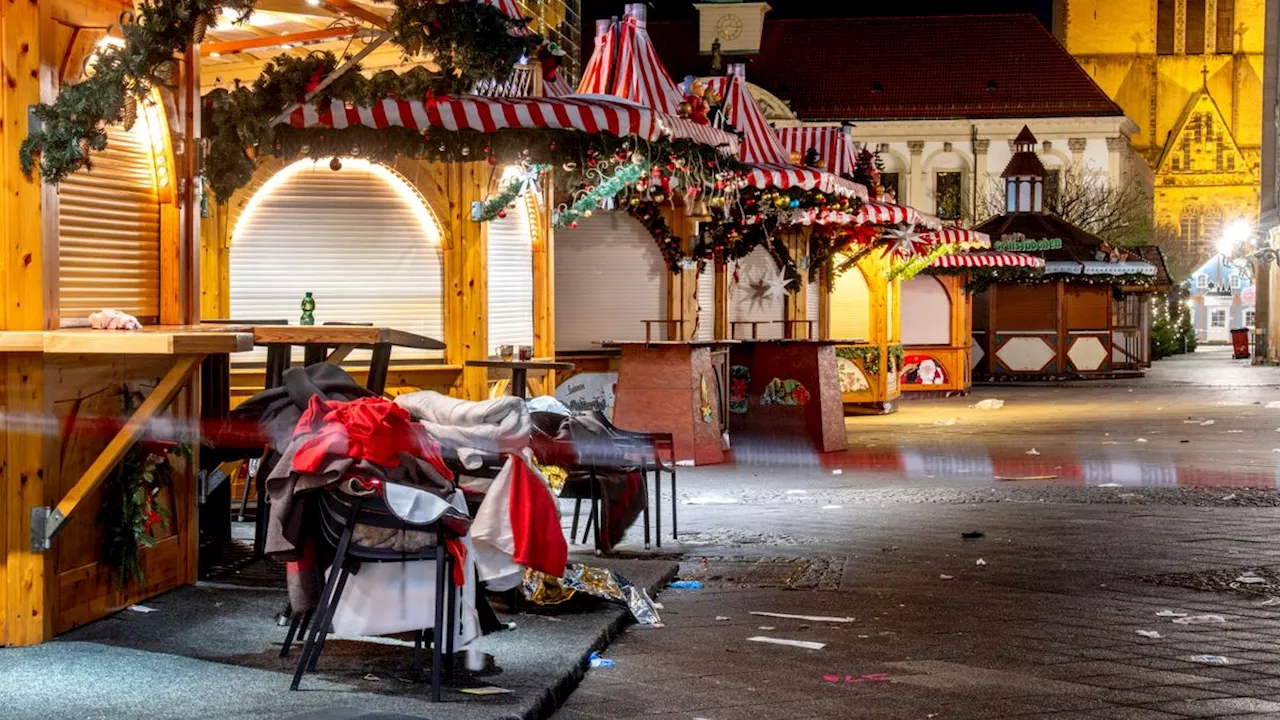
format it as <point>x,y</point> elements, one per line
<point>587,392</point>
<point>1017,242</point>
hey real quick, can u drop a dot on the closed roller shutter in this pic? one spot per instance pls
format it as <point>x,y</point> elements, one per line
<point>746,306</point>
<point>511,279</point>
<point>354,238</point>
<point>812,298</point>
<point>926,312</point>
<point>109,232</point>
<point>609,276</point>
<point>706,303</point>
<point>851,307</point>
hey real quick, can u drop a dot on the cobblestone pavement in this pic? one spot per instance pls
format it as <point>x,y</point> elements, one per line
<point>1135,583</point>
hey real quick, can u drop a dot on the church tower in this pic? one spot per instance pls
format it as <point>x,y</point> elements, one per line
<point>1189,73</point>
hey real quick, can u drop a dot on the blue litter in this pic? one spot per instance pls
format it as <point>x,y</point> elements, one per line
<point>686,585</point>
<point>598,662</point>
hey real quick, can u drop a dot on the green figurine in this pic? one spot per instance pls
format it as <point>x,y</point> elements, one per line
<point>308,310</point>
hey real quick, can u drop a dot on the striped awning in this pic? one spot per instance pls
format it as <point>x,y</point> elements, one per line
<point>770,163</point>
<point>625,64</point>
<point>508,8</point>
<point>958,236</point>
<point>557,88</point>
<point>985,258</point>
<point>834,146</point>
<point>490,114</point>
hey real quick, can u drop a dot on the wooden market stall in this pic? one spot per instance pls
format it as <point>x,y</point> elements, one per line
<point>937,320</point>
<point>416,208</point>
<point>627,292</point>
<point>1060,322</point>
<point>73,400</point>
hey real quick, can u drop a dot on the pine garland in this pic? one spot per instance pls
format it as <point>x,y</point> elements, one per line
<point>74,126</point>
<point>910,267</point>
<point>593,197</point>
<point>495,206</point>
<point>868,355</point>
<point>469,41</point>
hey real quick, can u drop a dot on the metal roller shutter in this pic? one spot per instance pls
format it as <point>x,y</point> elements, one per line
<point>851,307</point>
<point>609,276</point>
<point>511,279</point>
<point>812,296</point>
<point>744,306</point>
<point>706,303</point>
<point>109,232</point>
<point>358,239</point>
<point>925,312</point>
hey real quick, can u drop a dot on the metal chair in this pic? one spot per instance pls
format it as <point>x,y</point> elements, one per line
<point>339,513</point>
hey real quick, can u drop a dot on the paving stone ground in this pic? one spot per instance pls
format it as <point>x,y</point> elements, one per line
<point>1049,614</point>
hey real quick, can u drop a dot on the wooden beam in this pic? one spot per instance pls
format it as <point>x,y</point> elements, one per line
<point>229,47</point>
<point>346,7</point>
<point>159,399</point>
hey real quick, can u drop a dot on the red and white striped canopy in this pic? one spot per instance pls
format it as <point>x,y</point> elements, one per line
<point>958,236</point>
<point>557,88</point>
<point>770,163</point>
<point>508,8</point>
<point>988,258</point>
<point>834,146</point>
<point>625,64</point>
<point>491,114</point>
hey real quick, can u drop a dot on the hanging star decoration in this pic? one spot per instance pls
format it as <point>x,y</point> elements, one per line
<point>767,287</point>
<point>905,242</point>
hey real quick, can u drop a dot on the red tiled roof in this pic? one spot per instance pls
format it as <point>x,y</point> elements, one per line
<point>976,66</point>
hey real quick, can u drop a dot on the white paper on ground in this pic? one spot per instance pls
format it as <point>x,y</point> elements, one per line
<point>806,644</point>
<point>810,618</point>
<point>1200,620</point>
<point>142,609</point>
<point>490,690</point>
<point>1154,635</point>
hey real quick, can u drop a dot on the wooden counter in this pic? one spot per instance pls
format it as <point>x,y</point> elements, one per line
<point>786,389</point>
<point>671,386</point>
<point>64,429</point>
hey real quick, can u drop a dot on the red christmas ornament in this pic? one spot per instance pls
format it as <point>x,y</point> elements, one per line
<point>573,224</point>
<point>491,160</point>
<point>502,213</point>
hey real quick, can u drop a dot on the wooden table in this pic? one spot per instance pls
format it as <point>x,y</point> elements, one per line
<point>333,343</point>
<point>767,410</point>
<point>672,386</point>
<point>520,370</point>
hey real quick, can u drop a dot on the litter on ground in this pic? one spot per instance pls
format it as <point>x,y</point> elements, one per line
<point>765,627</point>
<point>806,644</point>
<point>832,507</point>
<point>142,609</point>
<point>489,690</point>
<point>972,534</point>
<point>810,618</point>
<point>721,618</point>
<point>980,562</point>
<point>946,577</point>
<point>1206,423</point>
<point>1153,634</point>
<point>837,471</point>
<point>945,422</point>
<point>1141,440</point>
<point>686,585</point>
<point>1170,613</point>
<point>1200,620</point>
<point>1210,659</point>
<point>988,404</point>
<point>1033,451</point>
<point>596,661</point>
<point>1250,579</point>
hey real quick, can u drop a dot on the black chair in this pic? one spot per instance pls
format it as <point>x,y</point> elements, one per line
<point>339,513</point>
<point>659,455</point>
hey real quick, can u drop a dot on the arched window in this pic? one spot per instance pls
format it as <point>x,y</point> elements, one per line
<point>360,239</point>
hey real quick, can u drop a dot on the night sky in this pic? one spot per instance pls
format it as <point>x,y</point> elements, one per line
<point>681,9</point>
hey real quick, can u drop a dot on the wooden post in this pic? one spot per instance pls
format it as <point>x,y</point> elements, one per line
<point>466,307</point>
<point>722,329</point>
<point>26,290</point>
<point>544,280</point>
